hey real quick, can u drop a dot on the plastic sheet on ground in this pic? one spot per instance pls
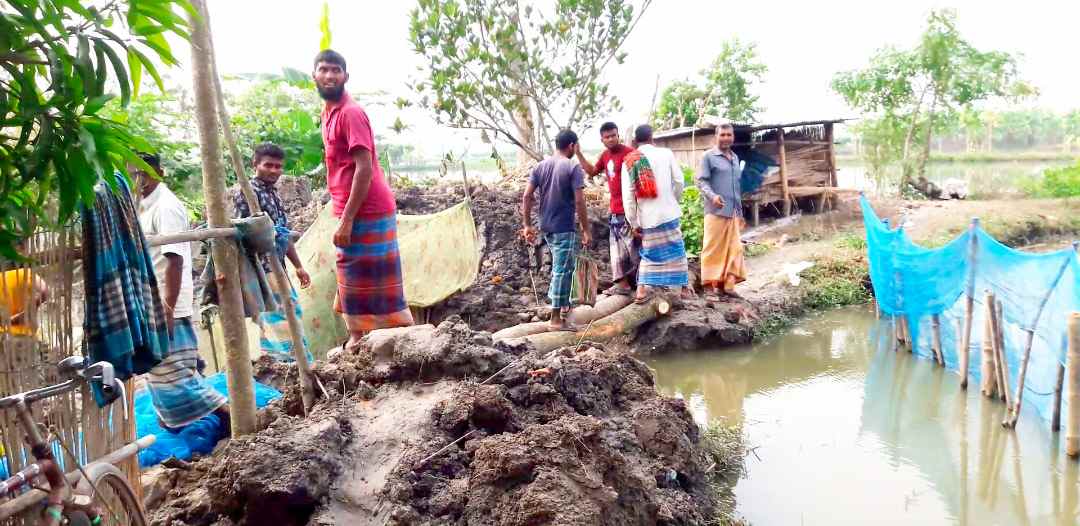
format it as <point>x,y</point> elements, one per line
<point>199,437</point>
<point>1038,290</point>
<point>440,255</point>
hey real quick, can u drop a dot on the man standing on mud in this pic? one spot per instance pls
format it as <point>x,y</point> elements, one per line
<point>652,186</point>
<point>718,180</point>
<point>178,390</point>
<point>560,182</point>
<point>371,292</point>
<point>275,338</point>
<point>625,247</point>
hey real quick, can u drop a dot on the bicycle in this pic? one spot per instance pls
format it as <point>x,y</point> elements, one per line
<point>95,494</point>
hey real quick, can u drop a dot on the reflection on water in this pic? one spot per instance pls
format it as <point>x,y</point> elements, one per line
<point>849,434</point>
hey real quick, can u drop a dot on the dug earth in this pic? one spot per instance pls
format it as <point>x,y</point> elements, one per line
<point>439,425</point>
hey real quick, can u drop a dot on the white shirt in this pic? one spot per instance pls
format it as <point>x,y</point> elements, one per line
<point>162,213</point>
<point>649,213</point>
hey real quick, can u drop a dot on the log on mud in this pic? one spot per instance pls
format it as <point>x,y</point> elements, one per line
<point>605,329</point>
<point>581,315</point>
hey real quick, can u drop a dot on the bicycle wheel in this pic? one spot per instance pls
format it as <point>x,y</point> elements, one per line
<point>115,498</point>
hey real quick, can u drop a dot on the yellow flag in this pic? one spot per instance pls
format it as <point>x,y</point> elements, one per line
<point>324,27</point>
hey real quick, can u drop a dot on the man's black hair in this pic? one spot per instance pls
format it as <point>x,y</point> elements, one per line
<point>565,139</point>
<point>153,159</point>
<point>726,126</point>
<point>330,57</point>
<point>643,134</point>
<point>269,149</point>
<point>608,126</point>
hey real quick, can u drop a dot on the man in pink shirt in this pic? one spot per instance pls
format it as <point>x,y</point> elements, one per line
<point>370,288</point>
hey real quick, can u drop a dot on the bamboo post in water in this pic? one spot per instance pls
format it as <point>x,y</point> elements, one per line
<point>1072,422</point>
<point>1055,420</point>
<point>939,353</point>
<point>999,350</point>
<point>225,253</point>
<point>989,359</point>
<point>969,306</point>
<point>1014,413</point>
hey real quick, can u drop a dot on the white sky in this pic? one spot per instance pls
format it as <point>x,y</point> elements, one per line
<point>803,43</point>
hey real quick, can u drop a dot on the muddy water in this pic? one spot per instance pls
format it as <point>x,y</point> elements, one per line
<point>846,432</point>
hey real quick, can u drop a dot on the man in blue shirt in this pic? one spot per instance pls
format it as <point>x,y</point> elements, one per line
<point>718,180</point>
<point>559,181</point>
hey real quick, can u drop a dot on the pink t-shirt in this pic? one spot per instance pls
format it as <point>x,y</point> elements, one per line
<point>346,128</point>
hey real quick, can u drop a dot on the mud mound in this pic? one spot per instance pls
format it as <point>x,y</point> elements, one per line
<point>503,294</point>
<point>408,432</point>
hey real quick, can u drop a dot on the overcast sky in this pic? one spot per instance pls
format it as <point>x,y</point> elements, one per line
<point>803,43</point>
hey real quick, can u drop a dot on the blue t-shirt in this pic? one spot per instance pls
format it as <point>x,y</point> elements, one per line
<point>555,179</point>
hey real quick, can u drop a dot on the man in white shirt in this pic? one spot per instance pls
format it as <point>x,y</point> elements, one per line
<point>179,392</point>
<point>652,186</point>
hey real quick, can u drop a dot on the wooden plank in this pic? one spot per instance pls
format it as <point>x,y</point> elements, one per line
<point>783,174</point>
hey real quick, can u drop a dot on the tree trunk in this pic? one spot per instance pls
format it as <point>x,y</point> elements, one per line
<point>279,279</point>
<point>526,134</point>
<point>240,382</point>
<point>606,329</point>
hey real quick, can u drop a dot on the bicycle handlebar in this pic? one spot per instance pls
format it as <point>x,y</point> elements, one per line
<point>77,372</point>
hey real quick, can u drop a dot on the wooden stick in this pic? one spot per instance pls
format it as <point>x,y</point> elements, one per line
<point>1055,420</point>
<point>935,322</point>
<point>200,234</point>
<point>832,153</point>
<point>969,306</point>
<point>784,192</point>
<point>444,448</point>
<point>1072,422</point>
<point>989,359</point>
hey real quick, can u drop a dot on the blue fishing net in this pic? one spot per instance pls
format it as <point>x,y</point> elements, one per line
<point>199,437</point>
<point>1037,291</point>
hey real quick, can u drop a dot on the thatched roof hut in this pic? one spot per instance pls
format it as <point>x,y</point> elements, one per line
<point>798,161</point>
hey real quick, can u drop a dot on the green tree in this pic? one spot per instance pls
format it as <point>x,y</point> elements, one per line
<point>725,89</point>
<point>61,60</point>
<point>681,104</point>
<point>920,90</point>
<point>517,72</point>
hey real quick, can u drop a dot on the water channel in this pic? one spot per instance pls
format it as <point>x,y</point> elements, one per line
<point>845,431</point>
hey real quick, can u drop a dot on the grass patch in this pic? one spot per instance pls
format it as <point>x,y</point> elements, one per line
<point>772,326</point>
<point>850,241</point>
<point>725,447</point>
<point>836,280</point>
<point>753,250</point>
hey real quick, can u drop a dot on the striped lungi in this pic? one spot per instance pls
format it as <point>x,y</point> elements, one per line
<point>275,338</point>
<point>625,250</point>
<point>179,393</point>
<point>371,293</point>
<point>563,247</point>
<point>663,256</point>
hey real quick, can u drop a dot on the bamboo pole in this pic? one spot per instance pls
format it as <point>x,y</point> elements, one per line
<point>1072,422</point>
<point>201,234</point>
<point>784,190</point>
<point>969,306</point>
<point>938,351</point>
<point>1014,412</point>
<point>1055,420</point>
<point>999,350</point>
<point>225,253</point>
<point>279,279</point>
<point>989,359</point>
<point>829,139</point>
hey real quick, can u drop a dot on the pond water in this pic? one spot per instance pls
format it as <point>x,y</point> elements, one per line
<point>845,431</point>
<point>984,180</point>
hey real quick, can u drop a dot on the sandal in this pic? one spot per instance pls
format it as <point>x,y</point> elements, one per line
<point>616,290</point>
<point>644,299</point>
<point>565,327</point>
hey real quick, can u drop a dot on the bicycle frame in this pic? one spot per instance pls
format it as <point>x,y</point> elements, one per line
<point>58,500</point>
